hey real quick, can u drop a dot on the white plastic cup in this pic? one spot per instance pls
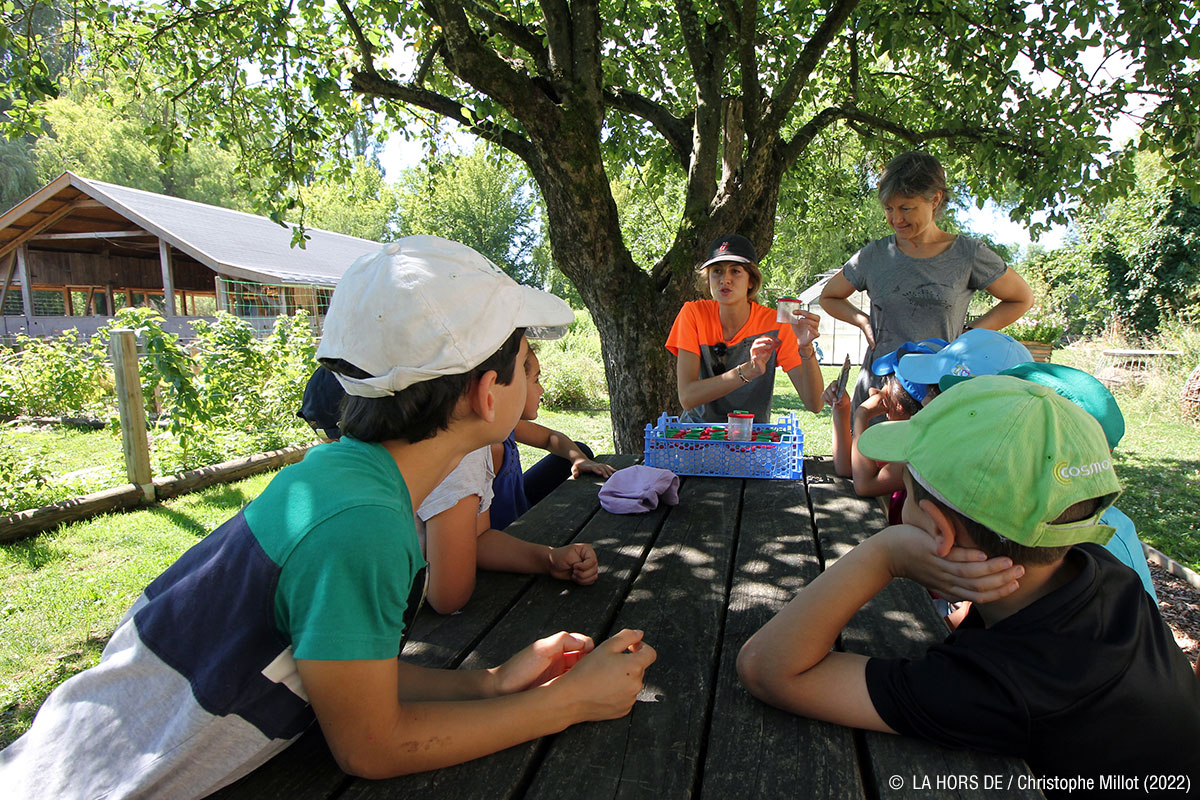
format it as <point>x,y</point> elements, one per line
<point>785,308</point>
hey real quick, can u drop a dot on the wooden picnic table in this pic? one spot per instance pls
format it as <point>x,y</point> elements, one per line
<point>699,578</point>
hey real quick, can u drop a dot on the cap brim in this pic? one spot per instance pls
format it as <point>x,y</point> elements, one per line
<point>719,259</point>
<point>921,367</point>
<point>886,441</point>
<point>952,380</point>
<point>543,315</point>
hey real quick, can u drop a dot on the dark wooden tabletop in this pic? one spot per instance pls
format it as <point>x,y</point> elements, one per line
<point>699,578</point>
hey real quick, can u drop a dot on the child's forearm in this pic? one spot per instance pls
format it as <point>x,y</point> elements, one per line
<point>563,446</point>
<point>802,634</point>
<point>500,552</point>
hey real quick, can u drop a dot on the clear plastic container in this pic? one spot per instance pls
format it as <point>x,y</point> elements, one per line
<point>784,307</point>
<point>740,427</point>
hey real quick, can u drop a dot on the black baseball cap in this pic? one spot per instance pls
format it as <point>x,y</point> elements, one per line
<point>731,247</point>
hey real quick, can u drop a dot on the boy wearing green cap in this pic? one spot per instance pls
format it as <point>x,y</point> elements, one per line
<point>1060,655</point>
<point>1093,397</point>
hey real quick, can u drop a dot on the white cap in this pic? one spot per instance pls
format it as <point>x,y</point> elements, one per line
<point>424,307</point>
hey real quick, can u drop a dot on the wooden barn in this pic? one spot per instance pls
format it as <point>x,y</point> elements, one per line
<point>78,250</point>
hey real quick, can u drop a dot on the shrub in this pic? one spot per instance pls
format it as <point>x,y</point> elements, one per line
<point>572,368</point>
<point>26,482</point>
<point>53,377</point>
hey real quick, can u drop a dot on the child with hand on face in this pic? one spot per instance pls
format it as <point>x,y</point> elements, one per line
<point>459,536</point>
<point>1061,651</point>
<point>899,399</point>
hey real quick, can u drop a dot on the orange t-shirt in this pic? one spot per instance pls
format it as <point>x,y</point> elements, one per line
<point>697,329</point>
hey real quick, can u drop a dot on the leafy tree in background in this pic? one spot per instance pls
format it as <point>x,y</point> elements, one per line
<point>1158,278</point>
<point>1135,260</point>
<point>104,137</point>
<point>33,54</point>
<point>482,199</point>
<point>729,95</point>
<point>362,205</point>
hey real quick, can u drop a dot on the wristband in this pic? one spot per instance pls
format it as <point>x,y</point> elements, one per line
<point>738,370</point>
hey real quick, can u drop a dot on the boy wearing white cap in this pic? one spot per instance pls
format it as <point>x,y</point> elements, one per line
<point>1060,656</point>
<point>293,609</point>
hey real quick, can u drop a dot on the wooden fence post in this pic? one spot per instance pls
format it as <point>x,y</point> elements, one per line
<point>123,348</point>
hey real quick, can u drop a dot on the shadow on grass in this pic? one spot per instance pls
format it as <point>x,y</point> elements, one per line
<point>34,553</point>
<point>224,498</point>
<point>16,717</point>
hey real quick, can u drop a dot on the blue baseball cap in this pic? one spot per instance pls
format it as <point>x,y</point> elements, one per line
<point>978,351</point>
<point>886,364</point>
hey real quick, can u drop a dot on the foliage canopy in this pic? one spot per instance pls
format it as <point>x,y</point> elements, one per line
<point>727,96</point>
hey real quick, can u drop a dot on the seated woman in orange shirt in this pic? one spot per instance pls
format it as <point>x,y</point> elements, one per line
<point>727,348</point>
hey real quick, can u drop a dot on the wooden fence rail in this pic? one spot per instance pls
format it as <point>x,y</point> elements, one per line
<point>143,488</point>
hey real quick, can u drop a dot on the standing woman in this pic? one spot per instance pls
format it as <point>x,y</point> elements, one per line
<point>921,278</point>
<point>727,347</point>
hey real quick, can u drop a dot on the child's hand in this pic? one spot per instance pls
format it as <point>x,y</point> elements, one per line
<point>804,325</point>
<point>575,562</point>
<point>868,409</point>
<point>587,465</point>
<point>962,574</point>
<point>542,661</point>
<point>838,401</point>
<point>606,682</point>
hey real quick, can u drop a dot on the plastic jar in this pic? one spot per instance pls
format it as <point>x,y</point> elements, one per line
<point>784,307</point>
<point>740,427</point>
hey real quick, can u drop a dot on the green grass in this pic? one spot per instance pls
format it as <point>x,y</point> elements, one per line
<point>65,591</point>
<point>1158,459</point>
<point>79,460</point>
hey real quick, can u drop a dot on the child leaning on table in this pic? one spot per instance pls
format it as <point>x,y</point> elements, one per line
<point>1093,397</point>
<point>1061,654</point>
<point>899,399</point>
<point>293,609</point>
<point>458,534</point>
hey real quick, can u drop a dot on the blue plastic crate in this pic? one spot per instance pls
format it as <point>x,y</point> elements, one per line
<point>782,459</point>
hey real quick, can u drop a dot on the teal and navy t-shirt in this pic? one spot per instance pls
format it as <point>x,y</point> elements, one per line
<point>198,685</point>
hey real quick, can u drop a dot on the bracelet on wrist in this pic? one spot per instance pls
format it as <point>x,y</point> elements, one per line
<point>738,370</point>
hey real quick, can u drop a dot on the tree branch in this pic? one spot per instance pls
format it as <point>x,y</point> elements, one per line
<point>481,67</point>
<point>372,84</point>
<point>792,149</point>
<point>365,50</point>
<point>587,73</point>
<point>514,32</point>
<point>916,137</point>
<point>558,38</point>
<point>426,64</point>
<point>707,57</point>
<point>810,56</point>
<point>752,91</point>
<point>677,131</point>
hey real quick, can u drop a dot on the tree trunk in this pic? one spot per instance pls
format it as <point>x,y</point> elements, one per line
<point>631,314</point>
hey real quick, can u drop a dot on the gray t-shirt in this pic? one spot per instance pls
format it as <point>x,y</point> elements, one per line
<point>917,298</point>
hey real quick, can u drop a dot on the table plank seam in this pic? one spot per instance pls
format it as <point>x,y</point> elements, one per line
<point>718,652</point>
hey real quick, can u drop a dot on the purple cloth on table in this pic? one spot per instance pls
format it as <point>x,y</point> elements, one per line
<point>636,489</point>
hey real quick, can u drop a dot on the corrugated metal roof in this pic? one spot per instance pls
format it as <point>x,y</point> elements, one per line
<point>232,243</point>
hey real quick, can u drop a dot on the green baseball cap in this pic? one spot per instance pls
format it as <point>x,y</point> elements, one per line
<point>1076,385</point>
<point>1011,454</point>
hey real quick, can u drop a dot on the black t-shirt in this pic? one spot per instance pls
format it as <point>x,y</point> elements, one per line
<point>1085,682</point>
